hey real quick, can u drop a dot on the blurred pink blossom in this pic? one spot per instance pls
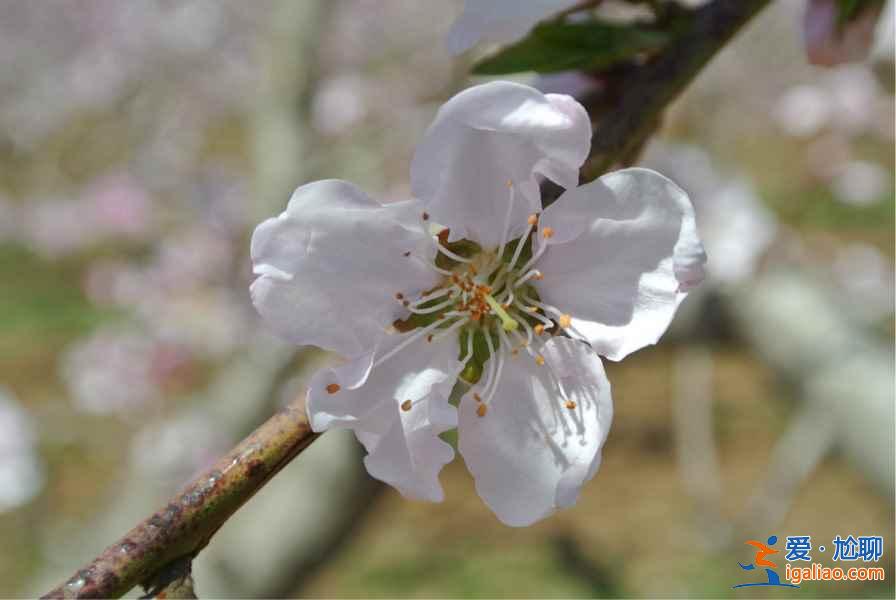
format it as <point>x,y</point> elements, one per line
<point>119,206</point>
<point>116,371</point>
<point>829,43</point>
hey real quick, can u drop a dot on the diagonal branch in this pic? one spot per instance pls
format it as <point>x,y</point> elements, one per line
<point>185,525</point>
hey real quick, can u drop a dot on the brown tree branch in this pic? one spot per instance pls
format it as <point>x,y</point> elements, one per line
<point>185,525</point>
<point>170,538</point>
<point>645,92</point>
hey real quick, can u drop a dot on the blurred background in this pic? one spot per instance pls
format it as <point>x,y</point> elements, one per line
<point>140,142</point>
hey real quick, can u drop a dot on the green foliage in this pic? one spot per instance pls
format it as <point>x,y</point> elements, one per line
<point>39,299</point>
<point>849,10</point>
<point>463,247</point>
<point>559,46</point>
<point>473,370</point>
<point>464,568</point>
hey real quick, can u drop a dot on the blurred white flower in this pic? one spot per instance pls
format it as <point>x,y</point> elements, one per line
<point>803,110</point>
<point>212,322</point>
<point>866,277</point>
<point>854,94</point>
<point>861,183</point>
<point>735,227</point>
<point>338,103</point>
<point>847,100</point>
<point>21,471</point>
<point>116,371</point>
<point>499,21</point>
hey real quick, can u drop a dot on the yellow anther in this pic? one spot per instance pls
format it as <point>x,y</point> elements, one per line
<point>547,232</point>
<point>539,360</point>
<point>406,405</point>
<point>532,220</point>
<point>539,329</point>
<point>509,183</point>
<point>481,410</point>
<point>570,404</point>
<point>333,388</point>
<point>565,321</point>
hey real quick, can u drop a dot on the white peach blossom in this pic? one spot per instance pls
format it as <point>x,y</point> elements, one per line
<point>474,281</point>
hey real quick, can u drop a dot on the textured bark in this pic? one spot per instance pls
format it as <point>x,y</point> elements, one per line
<point>184,526</point>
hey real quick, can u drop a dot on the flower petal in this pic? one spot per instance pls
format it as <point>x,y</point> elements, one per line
<point>486,136</point>
<point>499,21</point>
<point>331,264</point>
<point>530,454</point>
<point>624,252</point>
<point>403,446</point>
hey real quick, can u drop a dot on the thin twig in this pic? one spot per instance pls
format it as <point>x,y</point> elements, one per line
<point>184,526</point>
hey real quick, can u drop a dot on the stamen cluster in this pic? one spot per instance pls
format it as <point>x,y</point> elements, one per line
<point>487,295</point>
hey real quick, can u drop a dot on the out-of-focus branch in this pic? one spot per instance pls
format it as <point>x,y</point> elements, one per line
<point>644,93</point>
<point>185,525</point>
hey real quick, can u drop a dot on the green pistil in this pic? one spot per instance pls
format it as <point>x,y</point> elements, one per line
<point>507,322</point>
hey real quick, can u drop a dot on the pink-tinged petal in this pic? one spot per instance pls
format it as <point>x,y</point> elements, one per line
<point>499,21</point>
<point>624,252</point>
<point>397,410</point>
<point>829,43</point>
<point>330,265</point>
<point>530,454</point>
<point>485,137</point>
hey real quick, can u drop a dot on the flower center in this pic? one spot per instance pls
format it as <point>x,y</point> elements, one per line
<point>488,296</point>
